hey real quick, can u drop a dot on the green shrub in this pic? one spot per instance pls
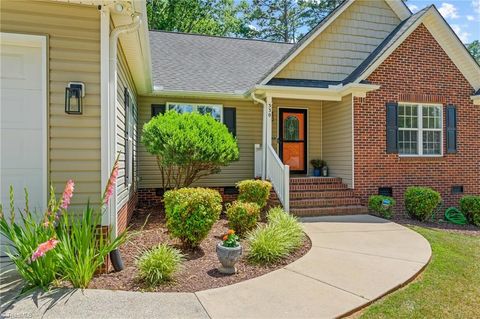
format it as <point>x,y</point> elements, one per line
<point>420,202</point>
<point>276,240</point>
<point>254,191</point>
<point>188,146</point>
<point>159,264</point>
<point>470,207</point>
<point>191,213</point>
<point>381,205</point>
<point>242,216</point>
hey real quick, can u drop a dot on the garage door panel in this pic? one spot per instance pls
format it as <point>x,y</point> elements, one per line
<point>21,109</point>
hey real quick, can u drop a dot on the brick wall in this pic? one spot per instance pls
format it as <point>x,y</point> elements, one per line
<point>418,71</point>
<point>126,212</point>
<point>150,197</point>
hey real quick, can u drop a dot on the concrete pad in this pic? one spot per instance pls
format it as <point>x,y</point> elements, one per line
<point>348,223</point>
<point>399,244</point>
<point>364,275</point>
<point>280,294</point>
<point>10,285</point>
<point>92,303</point>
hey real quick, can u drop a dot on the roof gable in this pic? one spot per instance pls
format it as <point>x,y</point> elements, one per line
<point>443,34</point>
<point>384,16</point>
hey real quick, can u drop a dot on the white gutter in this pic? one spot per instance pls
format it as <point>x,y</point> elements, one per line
<point>264,134</point>
<point>112,107</point>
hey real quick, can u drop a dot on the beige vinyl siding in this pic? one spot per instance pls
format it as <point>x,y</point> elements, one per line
<point>124,80</point>
<point>74,55</point>
<point>337,148</point>
<point>343,45</point>
<point>314,126</point>
<point>249,133</point>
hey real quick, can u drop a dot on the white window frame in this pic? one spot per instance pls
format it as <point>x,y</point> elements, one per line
<point>195,107</point>
<point>420,129</point>
<point>129,128</point>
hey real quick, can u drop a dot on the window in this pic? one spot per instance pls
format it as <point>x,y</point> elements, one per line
<point>213,109</point>
<point>129,136</point>
<point>420,129</point>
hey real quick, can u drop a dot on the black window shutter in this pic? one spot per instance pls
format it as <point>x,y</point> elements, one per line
<point>392,127</point>
<point>158,109</point>
<point>127,115</point>
<point>451,129</point>
<point>230,119</point>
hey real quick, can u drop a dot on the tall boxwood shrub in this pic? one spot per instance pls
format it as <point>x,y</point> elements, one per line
<point>470,207</point>
<point>420,202</point>
<point>191,213</point>
<point>188,146</point>
<point>242,216</point>
<point>254,191</point>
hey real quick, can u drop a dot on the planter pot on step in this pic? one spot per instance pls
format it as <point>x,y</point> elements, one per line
<point>228,256</point>
<point>317,172</point>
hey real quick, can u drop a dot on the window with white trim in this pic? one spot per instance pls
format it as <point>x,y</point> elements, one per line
<point>420,129</point>
<point>130,108</point>
<point>215,110</point>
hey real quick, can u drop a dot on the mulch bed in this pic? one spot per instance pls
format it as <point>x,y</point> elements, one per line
<point>441,224</point>
<point>200,268</point>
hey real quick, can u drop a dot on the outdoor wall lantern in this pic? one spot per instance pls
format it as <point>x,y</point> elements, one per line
<point>74,93</point>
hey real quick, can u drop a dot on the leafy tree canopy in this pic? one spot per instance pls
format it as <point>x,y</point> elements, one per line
<point>474,49</point>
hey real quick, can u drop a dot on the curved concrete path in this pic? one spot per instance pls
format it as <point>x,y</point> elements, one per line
<point>353,261</point>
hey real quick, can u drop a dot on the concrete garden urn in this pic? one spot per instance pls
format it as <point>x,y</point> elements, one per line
<point>228,256</point>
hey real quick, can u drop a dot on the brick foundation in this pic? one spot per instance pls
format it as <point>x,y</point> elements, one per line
<point>151,197</point>
<point>417,71</point>
<point>126,212</point>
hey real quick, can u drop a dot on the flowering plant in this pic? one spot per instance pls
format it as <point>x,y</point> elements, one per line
<point>57,245</point>
<point>230,239</point>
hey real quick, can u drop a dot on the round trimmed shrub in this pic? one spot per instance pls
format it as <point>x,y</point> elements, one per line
<point>381,205</point>
<point>470,207</point>
<point>254,191</point>
<point>191,213</point>
<point>159,264</point>
<point>420,202</point>
<point>242,216</point>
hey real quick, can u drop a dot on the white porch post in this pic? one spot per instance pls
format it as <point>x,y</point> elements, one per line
<point>268,130</point>
<point>264,142</point>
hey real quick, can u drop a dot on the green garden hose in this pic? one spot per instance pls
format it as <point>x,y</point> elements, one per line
<point>455,216</point>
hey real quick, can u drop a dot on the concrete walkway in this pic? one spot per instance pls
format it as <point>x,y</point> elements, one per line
<point>353,261</point>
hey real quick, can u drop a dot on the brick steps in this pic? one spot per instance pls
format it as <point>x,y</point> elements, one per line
<point>322,196</point>
<point>328,211</point>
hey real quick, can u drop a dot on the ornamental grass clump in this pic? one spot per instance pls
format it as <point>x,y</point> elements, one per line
<point>191,213</point>
<point>242,216</point>
<point>254,191</point>
<point>420,202</point>
<point>281,236</point>
<point>159,264</point>
<point>470,207</point>
<point>381,205</point>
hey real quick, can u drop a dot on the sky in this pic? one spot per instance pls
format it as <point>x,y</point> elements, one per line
<point>462,15</point>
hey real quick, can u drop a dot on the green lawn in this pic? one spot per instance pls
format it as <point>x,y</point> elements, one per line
<point>448,288</point>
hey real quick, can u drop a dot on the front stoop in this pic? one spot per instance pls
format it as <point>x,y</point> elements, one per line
<point>322,196</point>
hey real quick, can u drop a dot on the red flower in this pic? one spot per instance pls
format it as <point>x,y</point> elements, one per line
<point>230,232</point>
<point>225,237</point>
<point>44,248</point>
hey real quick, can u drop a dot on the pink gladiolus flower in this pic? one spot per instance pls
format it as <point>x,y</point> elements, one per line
<point>111,184</point>
<point>67,194</point>
<point>43,248</point>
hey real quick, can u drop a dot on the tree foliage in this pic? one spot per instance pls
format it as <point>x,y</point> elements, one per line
<point>188,146</point>
<point>474,49</point>
<point>210,17</point>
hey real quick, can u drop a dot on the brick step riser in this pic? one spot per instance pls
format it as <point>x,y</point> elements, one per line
<point>307,181</point>
<point>324,203</point>
<point>330,211</point>
<point>318,187</point>
<point>321,194</point>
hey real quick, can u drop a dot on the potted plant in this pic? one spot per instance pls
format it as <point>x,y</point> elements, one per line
<point>317,166</point>
<point>229,251</point>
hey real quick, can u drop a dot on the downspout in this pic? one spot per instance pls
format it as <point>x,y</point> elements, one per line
<point>116,32</point>
<point>264,134</point>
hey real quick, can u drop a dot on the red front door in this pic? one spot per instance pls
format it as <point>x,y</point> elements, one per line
<point>293,139</point>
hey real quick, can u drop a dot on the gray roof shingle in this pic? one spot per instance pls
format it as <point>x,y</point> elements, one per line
<point>190,62</point>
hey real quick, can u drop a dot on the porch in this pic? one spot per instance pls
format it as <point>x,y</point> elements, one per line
<point>298,128</point>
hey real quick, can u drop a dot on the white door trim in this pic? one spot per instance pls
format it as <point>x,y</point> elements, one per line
<point>39,41</point>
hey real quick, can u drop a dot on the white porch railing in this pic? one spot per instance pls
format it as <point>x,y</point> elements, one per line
<point>279,175</point>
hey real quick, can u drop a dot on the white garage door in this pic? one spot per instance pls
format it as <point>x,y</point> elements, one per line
<point>23,135</point>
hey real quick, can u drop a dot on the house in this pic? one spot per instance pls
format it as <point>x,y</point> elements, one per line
<point>388,98</point>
